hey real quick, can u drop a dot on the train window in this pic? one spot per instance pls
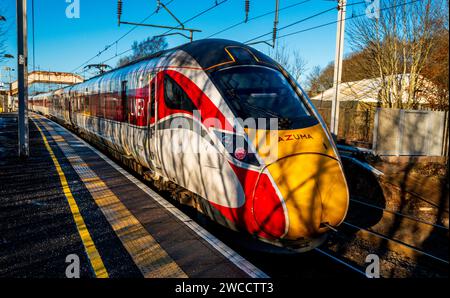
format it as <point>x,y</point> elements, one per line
<point>86,102</point>
<point>175,97</point>
<point>242,55</point>
<point>152,97</point>
<point>124,99</point>
<point>101,105</point>
<point>261,92</point>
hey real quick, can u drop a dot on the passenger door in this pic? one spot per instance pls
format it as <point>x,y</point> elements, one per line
<point>151,147</point>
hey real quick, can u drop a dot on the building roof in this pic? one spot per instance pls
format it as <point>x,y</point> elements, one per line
<point>366,90</point>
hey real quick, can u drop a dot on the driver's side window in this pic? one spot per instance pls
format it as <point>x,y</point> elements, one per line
<point>175,97</point>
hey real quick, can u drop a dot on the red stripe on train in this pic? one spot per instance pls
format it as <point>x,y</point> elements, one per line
<point>210,115</point>
<point>262,213</point>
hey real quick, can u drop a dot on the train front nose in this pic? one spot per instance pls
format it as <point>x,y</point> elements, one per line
<point>314,192</point>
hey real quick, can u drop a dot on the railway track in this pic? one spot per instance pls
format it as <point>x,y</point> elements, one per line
<point>354,199</point>
<point>356,263</point>
<point>411,193</point>
<point>384,237</point>
<point>407,230</point>
<point>406,193</point>
<point>418,225</point>
<point>358,266</point>
<point>346,263</point>
<point>352,242</point>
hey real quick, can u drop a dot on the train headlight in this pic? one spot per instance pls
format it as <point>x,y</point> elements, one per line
<point>237,147</point>
<point>240,153</point>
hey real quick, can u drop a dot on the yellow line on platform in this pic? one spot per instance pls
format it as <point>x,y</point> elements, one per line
<point>92,252</point>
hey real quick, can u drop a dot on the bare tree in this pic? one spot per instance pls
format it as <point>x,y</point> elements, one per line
<point>144,48</point>
<point>319,80</point>
<point>397,44</point>
<point>292,61</point>
<point>436,67</point>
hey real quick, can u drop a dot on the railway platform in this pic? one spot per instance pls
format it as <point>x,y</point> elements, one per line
<point>70,204</point>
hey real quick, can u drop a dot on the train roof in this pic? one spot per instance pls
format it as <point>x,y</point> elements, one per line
<point>212,52</point>
<point>209,54</point>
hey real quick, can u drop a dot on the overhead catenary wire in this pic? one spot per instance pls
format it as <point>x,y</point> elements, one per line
<point>302,20</point>
<point>107,47</point>
<point>263,15</point>
<point>216,4</point>
<point>346,19</point>
<point>295,23</point>
<point>256,17</point>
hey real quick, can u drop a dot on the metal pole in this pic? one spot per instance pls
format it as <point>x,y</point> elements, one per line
<point>10,104</point>
<point>338,66</point>
<point>32,16</point>
<point>22,76</point>
<point>34,55</point>
<point>275,24</point>
<point>2,97</point>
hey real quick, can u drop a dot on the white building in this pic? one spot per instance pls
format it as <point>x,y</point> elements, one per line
<point>367,91</point>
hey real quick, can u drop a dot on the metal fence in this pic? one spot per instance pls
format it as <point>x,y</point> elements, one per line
<point>355,122</point>
<point>391,131</point>
<point>410,132</point>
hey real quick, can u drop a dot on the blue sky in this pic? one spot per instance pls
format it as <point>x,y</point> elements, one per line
<point>63,44</point>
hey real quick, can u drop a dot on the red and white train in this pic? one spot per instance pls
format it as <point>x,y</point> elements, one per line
<point>184,115</point>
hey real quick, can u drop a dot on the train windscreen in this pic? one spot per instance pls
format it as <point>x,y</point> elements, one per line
<point>262,92</point>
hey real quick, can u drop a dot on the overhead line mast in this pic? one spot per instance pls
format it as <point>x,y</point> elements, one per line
<point>247,10</point>
<point>275,23</point>
<point>334,125</point>
<point>275,27</point>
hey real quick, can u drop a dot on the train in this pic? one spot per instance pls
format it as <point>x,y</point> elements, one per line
<point>225,123</point>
